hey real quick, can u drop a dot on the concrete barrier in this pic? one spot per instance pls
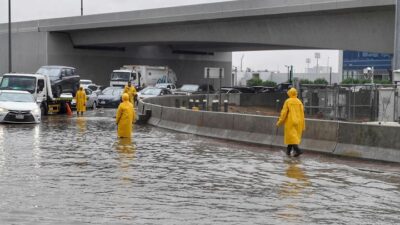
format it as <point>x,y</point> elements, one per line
<point>369,141</point>
<point>333,137</point>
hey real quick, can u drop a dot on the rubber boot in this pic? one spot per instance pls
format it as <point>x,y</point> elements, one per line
<point>288,150</point>
<point>298,151</point>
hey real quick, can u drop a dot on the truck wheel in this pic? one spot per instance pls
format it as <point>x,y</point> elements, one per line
<point>63,108</point>
<point>43,109</point>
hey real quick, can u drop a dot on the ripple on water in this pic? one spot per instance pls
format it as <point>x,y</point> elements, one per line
<point>75,171</point>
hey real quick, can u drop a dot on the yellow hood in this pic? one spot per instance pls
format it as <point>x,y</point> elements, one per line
<point>292,93</point>
<point>125,97</point>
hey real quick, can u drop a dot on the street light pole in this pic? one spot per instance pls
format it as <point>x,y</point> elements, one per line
<point>241,63</point>
<point>81,7</point>
<point>288,72</point>
<point>9,38</point>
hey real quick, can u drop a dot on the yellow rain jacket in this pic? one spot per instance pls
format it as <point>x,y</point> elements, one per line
<point>80,99</point>
<point>292,115</point>
<point>131,91</point>
<point>125,117</point>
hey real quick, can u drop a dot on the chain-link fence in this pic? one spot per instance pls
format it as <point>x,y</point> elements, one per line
<point>363,103</point>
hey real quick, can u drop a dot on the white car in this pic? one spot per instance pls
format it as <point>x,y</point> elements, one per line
<point>91,100</point>
<point>18,107</point>
<point>169,86</point>
<point>153,92</point>
<point>85,83</point>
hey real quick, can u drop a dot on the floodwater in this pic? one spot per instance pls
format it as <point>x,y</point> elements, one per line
<point>75,171</point>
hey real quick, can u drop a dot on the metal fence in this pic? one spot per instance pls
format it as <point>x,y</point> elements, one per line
<point>361,103</point>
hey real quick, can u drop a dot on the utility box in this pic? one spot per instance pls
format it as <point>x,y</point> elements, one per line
<point>396,76</point>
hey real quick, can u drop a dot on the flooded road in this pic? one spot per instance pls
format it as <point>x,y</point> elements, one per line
<point>75,171</point>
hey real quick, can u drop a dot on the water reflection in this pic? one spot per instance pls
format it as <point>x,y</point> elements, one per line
<point>37,150</point>
<point>126,154</point>
<point>2,153</point>
<point>292,190</point>
<point>81,123</point>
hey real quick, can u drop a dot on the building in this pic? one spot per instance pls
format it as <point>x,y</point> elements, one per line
<point>355,64</point>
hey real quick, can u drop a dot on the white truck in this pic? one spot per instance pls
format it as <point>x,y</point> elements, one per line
<point>40,87</point>
<point>142,76</point>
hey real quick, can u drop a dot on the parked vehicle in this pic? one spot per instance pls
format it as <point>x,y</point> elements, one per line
<point>228,90</point>
<point>189,89</point>
<point>91,99</point>
<point>110,97</point>
<point>153,92</point>
<point>142,76</point>
<point>283,87</point>
<point>95,88</point>
<point>268,90</point>
<point>170,86</point>
<point>63,79</point>
<point>18,107</point>
<point>84,83</point>
<point>40,87</point>
<point>246,90</point>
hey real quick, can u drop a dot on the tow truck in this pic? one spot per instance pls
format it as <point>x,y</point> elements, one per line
<point>40,87</point>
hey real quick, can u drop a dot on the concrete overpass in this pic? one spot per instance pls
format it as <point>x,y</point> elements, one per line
<point>189,38</point>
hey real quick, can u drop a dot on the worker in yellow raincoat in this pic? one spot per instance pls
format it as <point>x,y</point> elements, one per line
<point>80,99</point>
<point>292,116</point>
<point>131,91</point>
<point>125,117</point>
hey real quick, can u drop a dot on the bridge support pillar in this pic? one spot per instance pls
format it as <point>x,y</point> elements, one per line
<point>396,58</point>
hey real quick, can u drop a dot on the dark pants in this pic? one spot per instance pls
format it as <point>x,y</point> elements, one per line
<point>296,148</point>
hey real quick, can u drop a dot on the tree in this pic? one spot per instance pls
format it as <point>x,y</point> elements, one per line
<point>269,83</point>
<point>321,81</point>
<point>305,81</point>
<point>254,82</point>
<point>355,81</point>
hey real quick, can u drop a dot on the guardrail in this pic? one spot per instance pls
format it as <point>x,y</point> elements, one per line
<point>367,141</point>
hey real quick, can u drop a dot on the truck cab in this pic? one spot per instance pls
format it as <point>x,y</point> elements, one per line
<point>39,86</point>
<point>120,78</point>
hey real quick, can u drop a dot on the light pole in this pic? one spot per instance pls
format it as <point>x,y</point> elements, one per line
<point>288,72</point>
<point>81,7</point>
<point>317,56</point>
<point>308,61</point>
<point>241,63</point>
<point>9,38</point>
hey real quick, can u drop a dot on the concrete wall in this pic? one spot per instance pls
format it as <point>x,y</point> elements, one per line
<point>32,49</point>
<point>333,137</point>
<point>28,51</point>
<point>98,64</point>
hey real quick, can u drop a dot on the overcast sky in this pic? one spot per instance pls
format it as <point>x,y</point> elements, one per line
<point>23,10</point>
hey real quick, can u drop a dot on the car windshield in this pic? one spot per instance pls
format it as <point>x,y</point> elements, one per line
<point>16,97</point>
<point>53,73</point>
<point>189,87</point>
<point>123,76</point>
<point>151,91</point>
<point>112,91</point>
<point>93,88</point>
<point>85,81</point>
<point>19,83</point>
